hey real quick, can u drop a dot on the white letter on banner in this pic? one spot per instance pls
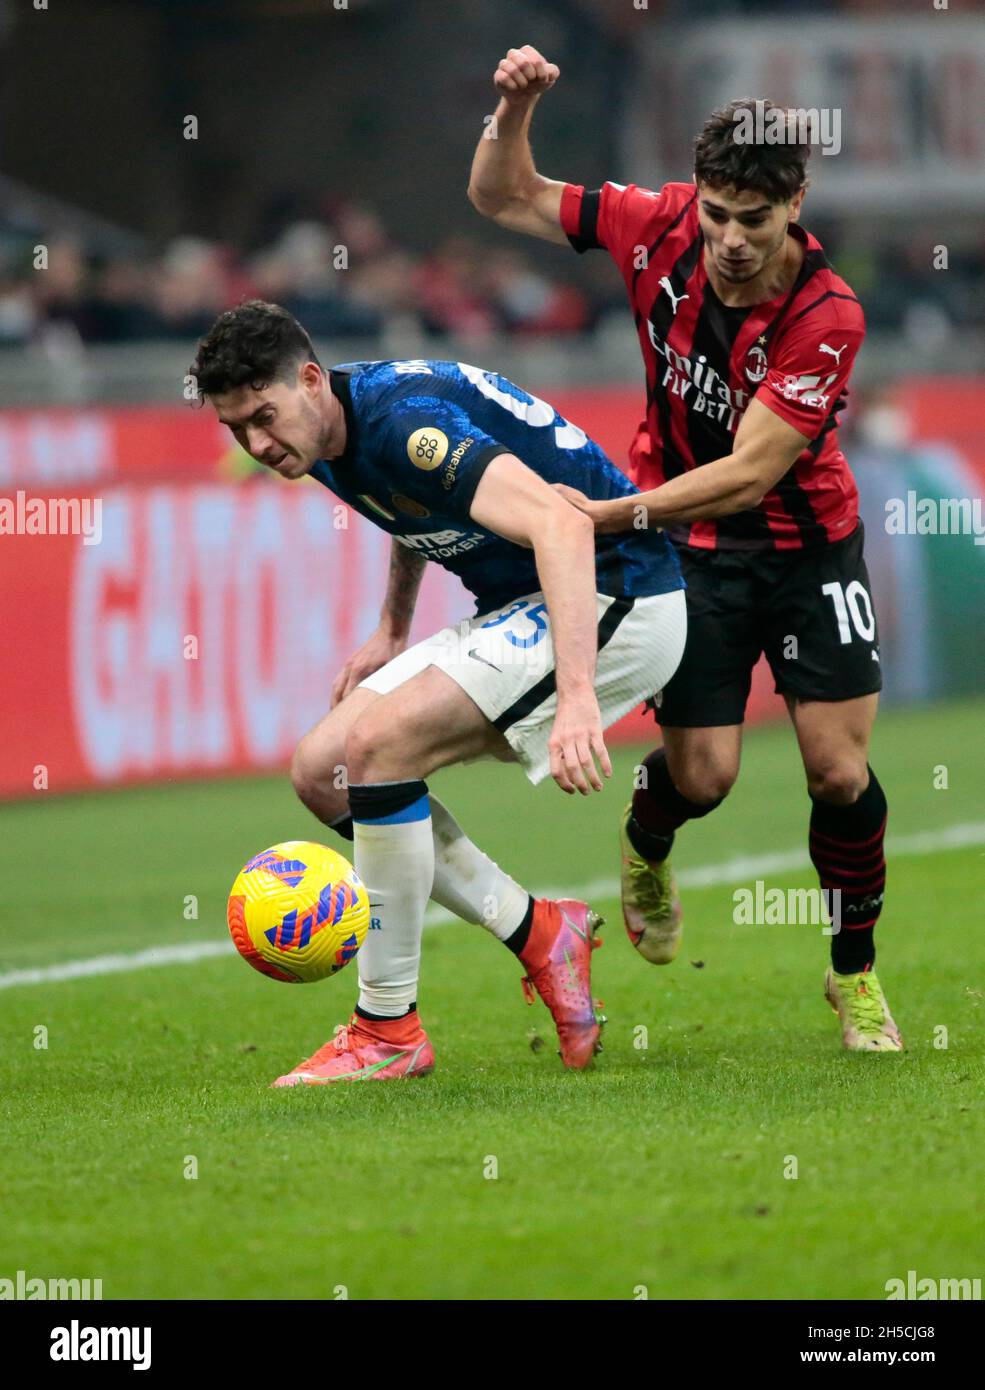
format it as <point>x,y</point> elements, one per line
<point>323,552</point>
<point>212,534</point>
<point>102,645</point>
<point>160,720</point>
<point>267,601</point>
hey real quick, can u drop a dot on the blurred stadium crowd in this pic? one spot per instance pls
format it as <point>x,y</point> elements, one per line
<point>340,270</point>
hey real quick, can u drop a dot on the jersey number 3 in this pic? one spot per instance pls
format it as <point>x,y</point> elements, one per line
<point>535,612</point>
<point>532,411</point>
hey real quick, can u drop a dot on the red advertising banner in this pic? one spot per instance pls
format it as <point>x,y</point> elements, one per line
<point>64,446</point>
<point>200,634</point>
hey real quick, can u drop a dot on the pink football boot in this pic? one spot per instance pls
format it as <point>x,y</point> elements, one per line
<point>558,957</point>
<point>367,1050</point>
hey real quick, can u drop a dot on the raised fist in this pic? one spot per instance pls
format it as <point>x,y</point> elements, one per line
<point>524,74</point>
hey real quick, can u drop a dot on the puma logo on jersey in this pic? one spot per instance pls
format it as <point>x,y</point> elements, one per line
<point>676,298</point>
<point>833,352</point>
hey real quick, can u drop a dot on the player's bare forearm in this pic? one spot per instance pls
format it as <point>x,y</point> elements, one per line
<point>564,553</point>
<point>715,489</point>
<point>403,583</point>
<point>722,488</point>
<point>512,501</point>
<point>396,615</point>
<point>565,556</point>
<point>504,184</point>
<point>766,447</point>
<point>503,168</point>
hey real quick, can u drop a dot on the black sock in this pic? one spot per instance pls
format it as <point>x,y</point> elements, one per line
<point>846,846</point>
<point>659,809</point>
<point>343,826</point>
<point>384,1018</point>
<point>516,941</point>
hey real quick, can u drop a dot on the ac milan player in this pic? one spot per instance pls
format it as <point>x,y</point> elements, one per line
<point>748,337</point>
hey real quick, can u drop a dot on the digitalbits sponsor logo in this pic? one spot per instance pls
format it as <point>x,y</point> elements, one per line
<point>427,448</point>
<point>448,477</point>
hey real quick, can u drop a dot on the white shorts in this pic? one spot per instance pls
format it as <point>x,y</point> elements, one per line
<point>505,662</point>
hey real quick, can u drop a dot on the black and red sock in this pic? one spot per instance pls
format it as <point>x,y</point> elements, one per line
<point>659,809</point>
<point>846,845</point>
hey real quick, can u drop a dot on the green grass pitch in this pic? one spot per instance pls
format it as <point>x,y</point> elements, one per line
<point>662,1169</point>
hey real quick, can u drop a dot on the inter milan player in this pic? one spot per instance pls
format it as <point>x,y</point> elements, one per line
<point>748,337</point>
<point>571,631</point>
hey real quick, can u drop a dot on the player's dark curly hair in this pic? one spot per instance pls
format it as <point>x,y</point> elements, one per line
<point>776,171</point>
<point>252,345</point>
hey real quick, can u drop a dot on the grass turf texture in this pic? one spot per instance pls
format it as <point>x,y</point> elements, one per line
<point>661,1167</point>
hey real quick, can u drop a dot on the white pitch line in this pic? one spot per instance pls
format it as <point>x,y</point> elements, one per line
<point>113,965</point>
<point>735,870</point>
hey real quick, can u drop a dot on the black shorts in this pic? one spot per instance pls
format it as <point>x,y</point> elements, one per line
<point>810,611</point>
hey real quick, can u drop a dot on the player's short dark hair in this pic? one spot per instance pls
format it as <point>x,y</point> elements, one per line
<point>254,345</point>
<point>777,171</point>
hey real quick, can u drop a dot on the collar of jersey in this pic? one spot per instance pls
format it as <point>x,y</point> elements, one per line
<point>339,381</point>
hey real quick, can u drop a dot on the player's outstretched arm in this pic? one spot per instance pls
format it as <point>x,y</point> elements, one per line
<point>766,447</point>
<point>390,638</point>
<point>504,185</point>
<point>514,502</point>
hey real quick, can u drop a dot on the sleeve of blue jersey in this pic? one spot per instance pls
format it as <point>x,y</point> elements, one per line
<point>435,454</point>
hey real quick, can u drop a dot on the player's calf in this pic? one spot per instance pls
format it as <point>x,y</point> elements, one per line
<point>847,849</point>
<point>650,904</point>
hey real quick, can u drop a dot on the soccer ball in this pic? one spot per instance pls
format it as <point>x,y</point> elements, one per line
<point>298,912</point>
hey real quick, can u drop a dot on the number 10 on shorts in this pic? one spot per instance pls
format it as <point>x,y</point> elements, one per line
<point>852,603</point>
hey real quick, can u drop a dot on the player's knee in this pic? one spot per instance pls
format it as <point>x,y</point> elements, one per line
<point>318,785</point>
<point>302,770</point>
<point>839,781</point>
<point>368,749</point>
<point>706,784</point>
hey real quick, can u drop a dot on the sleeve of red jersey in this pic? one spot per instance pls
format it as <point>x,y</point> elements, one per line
<point>612,217</point>
<point>810,366</point>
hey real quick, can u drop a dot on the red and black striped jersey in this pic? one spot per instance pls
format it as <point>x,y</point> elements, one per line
<point>706,361</point>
